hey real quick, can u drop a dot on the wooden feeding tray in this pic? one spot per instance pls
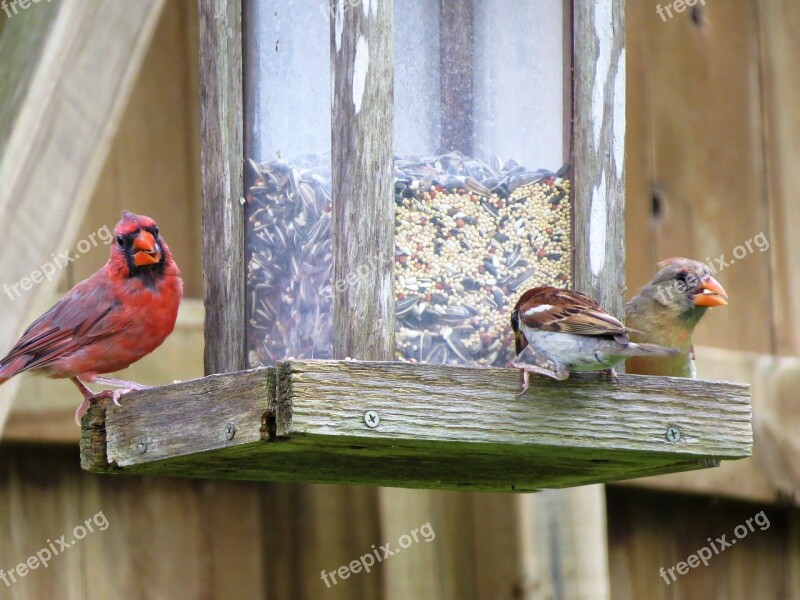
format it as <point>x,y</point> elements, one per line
<point>419,426</point>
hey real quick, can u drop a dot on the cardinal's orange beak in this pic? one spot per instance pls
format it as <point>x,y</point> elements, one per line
<point>710,293</point>
<point>146,249</point>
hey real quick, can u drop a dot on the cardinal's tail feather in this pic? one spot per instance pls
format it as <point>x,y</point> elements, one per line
<point>13,367</point>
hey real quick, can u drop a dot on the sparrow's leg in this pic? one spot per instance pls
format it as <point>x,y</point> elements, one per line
<point>560,374</point>
<point>533,360</point>
<point>612,375</point>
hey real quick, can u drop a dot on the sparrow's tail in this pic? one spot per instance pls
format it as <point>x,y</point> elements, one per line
<point>648,350</point>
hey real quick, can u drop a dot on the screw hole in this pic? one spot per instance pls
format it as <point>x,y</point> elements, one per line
<point>657,205</point>
<point>698,16</point>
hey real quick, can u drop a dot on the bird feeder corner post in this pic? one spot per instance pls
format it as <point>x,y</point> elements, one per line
<point>222,152</point>
<point>598,147</point>
<point>362,144</point>
<point>599,151</point>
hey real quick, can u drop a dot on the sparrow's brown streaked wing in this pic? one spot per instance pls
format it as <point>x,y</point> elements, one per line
<point>565,311</point>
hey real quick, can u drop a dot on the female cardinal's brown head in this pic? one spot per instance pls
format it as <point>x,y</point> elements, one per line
<point>687,287</point>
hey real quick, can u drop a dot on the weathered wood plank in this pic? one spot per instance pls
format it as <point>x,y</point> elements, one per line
<point>780,85</point>
<point>696,139</point>
<point>222,153</point>
<point>771,475</point>
<point>598,147</point>
<point>363,184</point>
<point>417,402</point>
<point>599,150</point>
<point>457,78</point>
<point>485,438</point>
<point>214,412</point>
<point>67,87</point>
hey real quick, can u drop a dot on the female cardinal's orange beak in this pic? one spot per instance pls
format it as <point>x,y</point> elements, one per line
<point>710,293</point>
<point>147,249</point>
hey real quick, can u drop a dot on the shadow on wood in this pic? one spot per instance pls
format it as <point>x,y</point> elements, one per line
<point>429,427</point>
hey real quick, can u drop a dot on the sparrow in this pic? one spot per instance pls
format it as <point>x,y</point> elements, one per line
<point>667,310</point>
<point>557,331</point>
<point>108,321</point>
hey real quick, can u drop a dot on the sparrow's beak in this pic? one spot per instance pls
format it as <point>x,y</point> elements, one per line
<point>710,293</point>
<point>147,251</point>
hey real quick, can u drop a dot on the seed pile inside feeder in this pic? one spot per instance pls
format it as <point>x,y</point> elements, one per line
<point>470,238</point>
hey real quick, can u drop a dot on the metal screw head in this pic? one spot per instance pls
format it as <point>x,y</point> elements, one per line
<point>372,419</point>
<point>141,447</point>
<point>673,433</point>
<point>230,431</point>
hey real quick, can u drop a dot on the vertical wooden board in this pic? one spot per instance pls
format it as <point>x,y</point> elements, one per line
<point>444,568</point>
<point>234,550</point>
<point>363,181</point>
<point>40,500</point>
<point>223,186</point>
<point>649,531</point>
<point>571,524</point>
<point>154,541</point>
<point>599,151</point>
<point>152,164</point>
<point>283,534</point>
<point>640,221</point>
<point>703,92</point>
<point>314,528</point>
<point>499,552</point>
<point>456,63</point>
<point>22,43</point>
<point>599,121</point>
<point>415,574</point>
<point>780,79</point>
<point>362,124</point>
<point>793,532</point>
<point>173,538</point>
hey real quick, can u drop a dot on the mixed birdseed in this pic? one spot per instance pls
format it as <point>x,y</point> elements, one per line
<point>470,237</point>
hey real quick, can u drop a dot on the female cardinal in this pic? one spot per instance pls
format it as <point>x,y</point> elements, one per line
<point>667,310</point>
<point>108,321</point>
<point>558,331</point>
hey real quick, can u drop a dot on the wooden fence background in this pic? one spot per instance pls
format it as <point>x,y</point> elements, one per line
<point>713,142</point>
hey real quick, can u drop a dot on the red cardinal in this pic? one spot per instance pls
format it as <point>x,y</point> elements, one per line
<point>108,321</point>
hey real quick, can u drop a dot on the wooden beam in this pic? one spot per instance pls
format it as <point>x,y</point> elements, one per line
<point>316,427</point>
<point>70,80</point>
<point>456,69</point>
<point>599,151</point>
<point>598,146</point>
<point>363,181</point>
<point>771,474</point>
<point>222,155</point>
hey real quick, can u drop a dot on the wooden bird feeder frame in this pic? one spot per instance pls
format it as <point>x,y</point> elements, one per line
<point>379,422</point>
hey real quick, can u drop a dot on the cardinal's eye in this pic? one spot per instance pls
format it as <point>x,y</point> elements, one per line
<point>120,240</point>
<point>681,277</point>
<point>154,231</point>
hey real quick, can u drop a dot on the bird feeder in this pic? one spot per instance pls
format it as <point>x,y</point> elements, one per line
<point>459,179</point>
<point>382,180</point>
